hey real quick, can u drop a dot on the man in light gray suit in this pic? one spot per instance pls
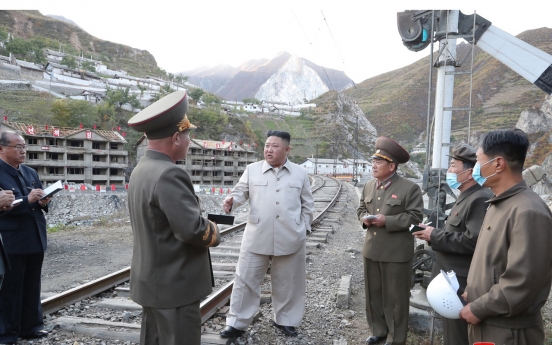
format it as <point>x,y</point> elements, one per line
<point>281,212</point>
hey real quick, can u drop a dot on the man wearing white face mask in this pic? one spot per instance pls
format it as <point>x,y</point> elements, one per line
<point>510,277</point>
<point>454,245</point>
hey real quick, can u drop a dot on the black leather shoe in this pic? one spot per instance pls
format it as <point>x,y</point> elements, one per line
<point>230,332</point>
<point>36,335</point>
<point>372,340</point>
<point>287,330</point>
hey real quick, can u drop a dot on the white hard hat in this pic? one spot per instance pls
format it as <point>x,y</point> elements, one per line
<point>442,297</point>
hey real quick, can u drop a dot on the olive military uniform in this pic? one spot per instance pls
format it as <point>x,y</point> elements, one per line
<point>171,267</point>
<point>388,250</point>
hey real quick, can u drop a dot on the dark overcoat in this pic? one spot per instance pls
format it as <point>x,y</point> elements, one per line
<point>23,228</point>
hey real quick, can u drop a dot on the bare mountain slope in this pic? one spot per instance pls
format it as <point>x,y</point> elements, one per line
<point>247,79</point>
<point>396,102</point>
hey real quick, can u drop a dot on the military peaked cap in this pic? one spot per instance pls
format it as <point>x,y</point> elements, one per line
<point>464,152</point>
<point>163,118</point>
<point>390,150</point>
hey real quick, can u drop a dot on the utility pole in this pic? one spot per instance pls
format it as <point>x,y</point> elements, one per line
<point>336,151</point>
<point>316,161</point>
<point>355,155</point>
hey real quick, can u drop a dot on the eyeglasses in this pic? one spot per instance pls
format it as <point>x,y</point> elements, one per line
<point>18,147</point>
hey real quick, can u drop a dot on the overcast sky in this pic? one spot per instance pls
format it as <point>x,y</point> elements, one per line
<point>359,37</point>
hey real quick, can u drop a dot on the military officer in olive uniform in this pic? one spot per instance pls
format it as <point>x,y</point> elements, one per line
<point>454,245</point>
<point>388,249</point>
<point>171,268</point>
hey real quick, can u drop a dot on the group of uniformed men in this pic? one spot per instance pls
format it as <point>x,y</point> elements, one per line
<point>496,219</point>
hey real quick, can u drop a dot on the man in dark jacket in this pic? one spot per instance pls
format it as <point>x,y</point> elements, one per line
<point>454,245</point>
<point>389,204</point>
<point>23,230</point>
<point>509,278</point>
<point>6,200</point>
<point>171,268</point>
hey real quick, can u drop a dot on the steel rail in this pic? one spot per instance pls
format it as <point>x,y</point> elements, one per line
<point>208,307</point>
<point>56,302</point>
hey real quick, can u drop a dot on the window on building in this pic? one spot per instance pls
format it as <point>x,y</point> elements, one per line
<point>54,171</point>
<point>196,173</point>
<point>52,156</point>
<point>96,146</point>
<point>114,172</point>
<point>228,164</point>
<point>32,155</point>
<point>206,173</point>
<point>54,142</point>
<point>242,164</point>
<point>32,141</point>
<point>228,183</point>
<point>113,146</point>
<point>115,159</point>
<point>228,173</point>
<point>76,143</point>
<point>75,171</point>
<point>197,162</point>
<point>96,171</point>
<point>74,157</point>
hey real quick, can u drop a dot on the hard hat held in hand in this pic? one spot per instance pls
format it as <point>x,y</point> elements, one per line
<point>442,297</point>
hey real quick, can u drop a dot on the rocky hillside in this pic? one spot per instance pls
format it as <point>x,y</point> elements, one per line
<point>270,79</point>
<point>54,32</point>
<point>396,102</point>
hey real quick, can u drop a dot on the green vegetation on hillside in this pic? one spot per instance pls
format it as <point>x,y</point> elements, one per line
<point>32,32</point>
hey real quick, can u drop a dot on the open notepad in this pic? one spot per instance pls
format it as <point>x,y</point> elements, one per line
<point>53,189</point>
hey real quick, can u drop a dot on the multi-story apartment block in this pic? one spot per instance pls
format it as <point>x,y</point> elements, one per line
<point>78,155</point>
<point>212,163</point>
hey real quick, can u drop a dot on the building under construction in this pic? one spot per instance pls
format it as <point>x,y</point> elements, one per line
<point>212,163</point>
<point>78,155</point>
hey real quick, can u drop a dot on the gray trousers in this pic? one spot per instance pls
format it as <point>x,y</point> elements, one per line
<point>387,287</point>
<point>288,279</point>
<point>173,326</point>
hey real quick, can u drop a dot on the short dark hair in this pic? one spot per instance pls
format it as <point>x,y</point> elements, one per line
<point>280,134</point>
<point>510,144</point>
<point>4,137</point>
<point>467,164</point>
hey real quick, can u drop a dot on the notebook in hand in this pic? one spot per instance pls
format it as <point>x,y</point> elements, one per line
<point>221,219</point>
<point>51,190</point>
<point>414,228</point>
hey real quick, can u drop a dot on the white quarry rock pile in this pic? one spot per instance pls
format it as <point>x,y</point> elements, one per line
<point>293,82</point>
<point>89,208</point>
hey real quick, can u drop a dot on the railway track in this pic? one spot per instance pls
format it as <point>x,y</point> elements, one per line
<point>326,192</point>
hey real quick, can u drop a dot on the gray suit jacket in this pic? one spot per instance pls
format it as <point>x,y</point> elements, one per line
<point>170,262</point>
<point>281,208</point>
